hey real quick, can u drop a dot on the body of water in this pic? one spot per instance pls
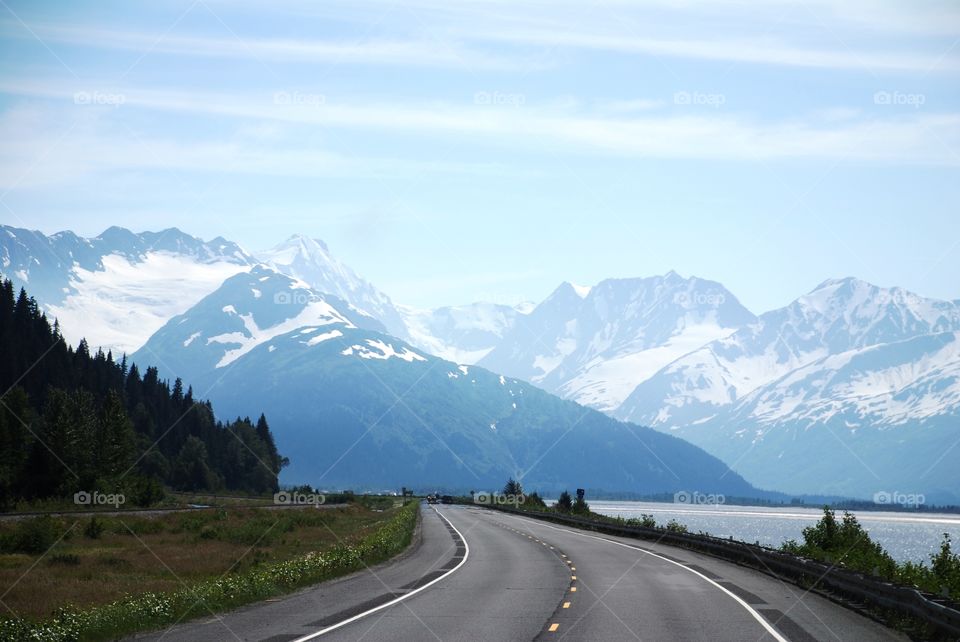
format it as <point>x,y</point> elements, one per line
<point>906,536</point>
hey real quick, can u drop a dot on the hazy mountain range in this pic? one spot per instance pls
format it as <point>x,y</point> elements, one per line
<point>851,389</point>
<point>353,405</point>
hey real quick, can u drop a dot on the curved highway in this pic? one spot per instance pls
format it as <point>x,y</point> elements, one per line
<point>475,574</point>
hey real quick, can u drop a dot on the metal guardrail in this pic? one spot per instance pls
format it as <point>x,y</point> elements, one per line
<point>857,587</point>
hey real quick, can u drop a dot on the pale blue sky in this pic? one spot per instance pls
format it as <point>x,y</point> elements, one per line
<point>455,151</point>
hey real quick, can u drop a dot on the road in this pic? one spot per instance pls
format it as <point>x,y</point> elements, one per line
<point>481,575</point>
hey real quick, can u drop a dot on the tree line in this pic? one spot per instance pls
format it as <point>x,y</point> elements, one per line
<point>74,421</point>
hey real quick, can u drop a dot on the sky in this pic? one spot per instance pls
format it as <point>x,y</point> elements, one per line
<point>488,150</point>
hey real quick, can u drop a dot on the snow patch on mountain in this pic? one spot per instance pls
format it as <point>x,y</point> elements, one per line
<point>378,349</point>
<point>463,334</point>
<point>120,305</point>
<point>325,336</point>
<point>604,383</point>
<point>118,288</point>
<point>314,313</point>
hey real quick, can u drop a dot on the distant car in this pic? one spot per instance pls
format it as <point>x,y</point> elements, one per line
<point>432,499</point>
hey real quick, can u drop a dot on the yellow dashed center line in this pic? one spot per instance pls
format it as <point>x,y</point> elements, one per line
<point>554,627</point>
<point>566,605</point>
<point>573,589</point>
<point>573,577</point>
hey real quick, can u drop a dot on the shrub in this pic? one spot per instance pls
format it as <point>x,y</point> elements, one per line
<point>34,536</point>
<point>94,528</point>
<point>673,526</point>
<point>844,543</point>
<point>644,521</point>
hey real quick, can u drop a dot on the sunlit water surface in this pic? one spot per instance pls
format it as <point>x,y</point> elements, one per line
<point>906,536</point>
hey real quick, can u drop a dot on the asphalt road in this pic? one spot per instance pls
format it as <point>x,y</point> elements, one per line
<point>480,575</point>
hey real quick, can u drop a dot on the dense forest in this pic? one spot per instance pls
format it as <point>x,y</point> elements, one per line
<point>72,421</point>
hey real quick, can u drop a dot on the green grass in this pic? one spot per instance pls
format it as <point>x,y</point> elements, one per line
<point>260,580</point>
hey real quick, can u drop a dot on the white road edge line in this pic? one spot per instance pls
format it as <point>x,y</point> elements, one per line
<point>332,627</point>
<point>759,618</point>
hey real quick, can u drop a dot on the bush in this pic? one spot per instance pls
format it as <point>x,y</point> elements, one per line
<point>644,521</point>
<point>673,526</point>
<point>847,544</point>
<point>580,507</point>
<point>145,491</point>
<point>844,543</point>
<point>34,536</point>
<point>94,528</point>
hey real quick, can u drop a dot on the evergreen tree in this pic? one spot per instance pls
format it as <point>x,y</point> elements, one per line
<point>513,487</point>
<point>71,421</point>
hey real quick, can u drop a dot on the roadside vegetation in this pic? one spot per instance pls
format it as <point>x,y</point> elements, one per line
<point>842,542</point>
<point>845,543</point>
<point>102,577</point>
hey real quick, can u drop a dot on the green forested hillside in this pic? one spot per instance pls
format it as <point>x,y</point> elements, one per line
<point>74,421</point>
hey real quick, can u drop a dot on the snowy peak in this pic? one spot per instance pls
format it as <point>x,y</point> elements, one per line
<point>582,291</point>
<point>310,261</point>
<point>838,316</point>
<point>117,288</point>
<point>845,313</point>
<point>597,344</point>
<point>262,309</point>
<point>302,250</point>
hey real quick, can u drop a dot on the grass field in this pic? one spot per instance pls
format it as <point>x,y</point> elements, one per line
<point>84,561</point>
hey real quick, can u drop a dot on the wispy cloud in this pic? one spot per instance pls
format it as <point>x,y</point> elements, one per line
<point>912,137</point>
<point>36,154</point>
<point>765,51</point>
<point>362,50</point>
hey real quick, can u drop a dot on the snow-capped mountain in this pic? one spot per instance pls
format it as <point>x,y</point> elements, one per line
<point>594,345</point>
<point>837,316</point>
<point>311,261</point>
<point>462,333</point>
<point>118,288</point>
<point>248,310</point>
<point>352,406</point>
<point>850,387</point>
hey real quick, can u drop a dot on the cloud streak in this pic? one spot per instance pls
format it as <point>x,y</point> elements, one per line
<point>903,137</point>
<point>364,51</point>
